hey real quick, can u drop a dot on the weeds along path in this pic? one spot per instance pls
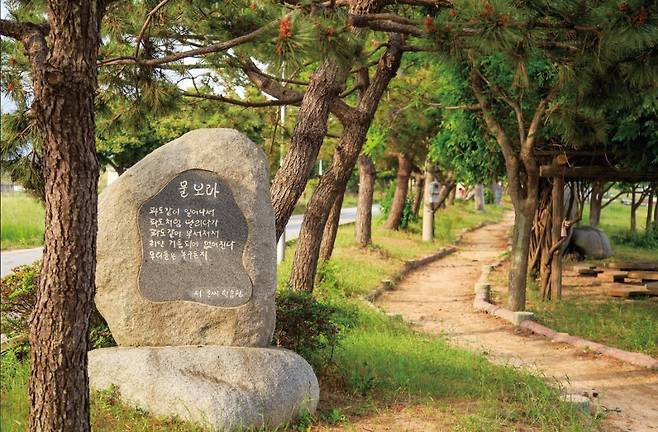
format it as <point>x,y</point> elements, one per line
<point>437,299</point>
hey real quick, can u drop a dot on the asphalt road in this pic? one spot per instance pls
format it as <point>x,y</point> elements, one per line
<point>11,259</point>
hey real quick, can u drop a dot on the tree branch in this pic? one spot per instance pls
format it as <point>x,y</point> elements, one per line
<point>378,24</point>
<point>214,48</point>
<point>147,21</point>
<point>471,107</point>
<point>248,104</point>
<point>19,31</point>
<point>273,88</point>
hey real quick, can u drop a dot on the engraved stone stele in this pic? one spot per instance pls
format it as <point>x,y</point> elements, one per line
<point>186,246</point>
<point>185,279</point>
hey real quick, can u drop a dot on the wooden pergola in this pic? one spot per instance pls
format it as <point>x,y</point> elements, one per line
<point>567,165</point>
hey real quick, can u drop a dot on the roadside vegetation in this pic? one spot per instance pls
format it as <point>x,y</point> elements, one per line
<point>368,363</point>
<point>22,223</point>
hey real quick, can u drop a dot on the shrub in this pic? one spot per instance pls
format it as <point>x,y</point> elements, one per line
<point>18,292</point>
<point>645,240</point>
<point>306,325</point>
<point>408,215</point>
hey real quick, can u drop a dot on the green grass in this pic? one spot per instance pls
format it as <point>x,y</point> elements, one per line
<point>380,363</point>
<point>383,359</point>
<point>628,325</point>
<point>22,223</point>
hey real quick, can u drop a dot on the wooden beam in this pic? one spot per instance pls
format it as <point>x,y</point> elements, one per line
<point>596,173</point>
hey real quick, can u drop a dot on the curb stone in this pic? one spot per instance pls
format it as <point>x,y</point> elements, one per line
<point>525,320</point>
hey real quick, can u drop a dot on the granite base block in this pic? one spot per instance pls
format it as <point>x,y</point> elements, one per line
<point>224,388</point>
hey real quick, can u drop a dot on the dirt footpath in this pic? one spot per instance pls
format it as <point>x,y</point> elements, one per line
<point>438,299</point>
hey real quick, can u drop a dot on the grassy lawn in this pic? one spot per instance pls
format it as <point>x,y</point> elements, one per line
<point>626,324</point>
<point>380,365</point>
<point>630,325</point>
<point>22,223</point>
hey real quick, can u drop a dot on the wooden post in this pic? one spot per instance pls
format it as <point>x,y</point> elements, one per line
<point>557,197</point>
<point>428,209</point>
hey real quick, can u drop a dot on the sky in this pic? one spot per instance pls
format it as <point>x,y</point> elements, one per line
<point>6,105</point>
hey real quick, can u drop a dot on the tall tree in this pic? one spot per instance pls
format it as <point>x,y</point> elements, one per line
<point>62,54</point>
<point>335,179</point>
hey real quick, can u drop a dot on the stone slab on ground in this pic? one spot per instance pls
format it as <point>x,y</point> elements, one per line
<point>644,276</point>
<point>190,318</point>
<point>633,265</point>
<point>628,291</point>
<point>652,287</point>
<point>226,388</point>
<point>612,276</point>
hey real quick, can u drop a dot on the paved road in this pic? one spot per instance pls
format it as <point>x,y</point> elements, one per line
<point>11,259</point>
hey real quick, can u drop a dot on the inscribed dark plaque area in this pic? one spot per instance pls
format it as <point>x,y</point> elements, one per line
<point>193,236</point>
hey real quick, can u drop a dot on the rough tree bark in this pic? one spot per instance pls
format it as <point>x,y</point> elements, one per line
<point>307,137</point>
<point>647,227</point>
<point>451,196</point>
<point>557,199</point>
<point>64,82</point>
<point>636,202</point>
<point>331,227</point>
<point>419,187</point>
<point>363,226</point>
<point>655,211</point>
<point>401,190</point>
<point>541,225</point>
<point>347,152</point>
<point>478,197</point>
<point>595,201</point>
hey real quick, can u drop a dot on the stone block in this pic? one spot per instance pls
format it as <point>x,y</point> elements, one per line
<point>224,388</point>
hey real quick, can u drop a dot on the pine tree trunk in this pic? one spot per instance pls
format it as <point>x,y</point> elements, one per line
<point>451,196</point>
<point>334,180</point>
<point>307,138</point>
<point>64,81</point>
<point>317,211</point>
<point>363,226</point>
<point>331,227</point>
<point>655,211</point>
<point>478,196</point>
<point>419,187</point>
<point>557,199</point>
<point>647,227</point>
<point>428,208</point>
<point>400,196</point>
<point>595,203</point>
<point>633,212</point>
<point>518,274</point>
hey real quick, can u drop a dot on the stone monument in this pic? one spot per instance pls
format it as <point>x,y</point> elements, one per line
<point>185,279</point>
